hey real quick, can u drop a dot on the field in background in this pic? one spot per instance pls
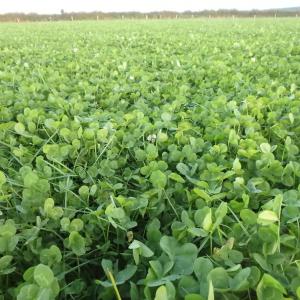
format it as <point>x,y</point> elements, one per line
<point>150,160</point>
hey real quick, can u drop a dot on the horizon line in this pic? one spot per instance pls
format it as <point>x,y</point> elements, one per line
<point>151,12</point>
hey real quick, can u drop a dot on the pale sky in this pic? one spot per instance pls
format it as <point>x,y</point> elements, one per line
<point>54,6</point>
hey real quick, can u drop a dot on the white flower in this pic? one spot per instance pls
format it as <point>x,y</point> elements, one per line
<point>151,138</point>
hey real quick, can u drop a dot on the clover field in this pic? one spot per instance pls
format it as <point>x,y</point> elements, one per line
<point>153,160</point>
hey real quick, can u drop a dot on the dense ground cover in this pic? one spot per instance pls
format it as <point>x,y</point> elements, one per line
<point>150,160</point>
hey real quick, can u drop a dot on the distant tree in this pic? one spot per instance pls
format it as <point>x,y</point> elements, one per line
<point>152,15</point>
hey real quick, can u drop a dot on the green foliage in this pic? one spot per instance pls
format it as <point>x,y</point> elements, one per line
<point>156,161</point>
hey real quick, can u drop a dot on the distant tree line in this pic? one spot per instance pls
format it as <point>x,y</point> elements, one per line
<point>63,16</point>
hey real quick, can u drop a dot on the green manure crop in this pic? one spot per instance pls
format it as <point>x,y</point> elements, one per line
<point>153,160</point>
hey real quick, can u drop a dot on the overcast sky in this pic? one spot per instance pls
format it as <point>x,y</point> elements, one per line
<point>54,6</point>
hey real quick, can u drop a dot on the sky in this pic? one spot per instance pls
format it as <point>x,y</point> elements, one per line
<point>54,6</point>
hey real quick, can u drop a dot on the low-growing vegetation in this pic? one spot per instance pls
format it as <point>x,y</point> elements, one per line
<point>150,160</point>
